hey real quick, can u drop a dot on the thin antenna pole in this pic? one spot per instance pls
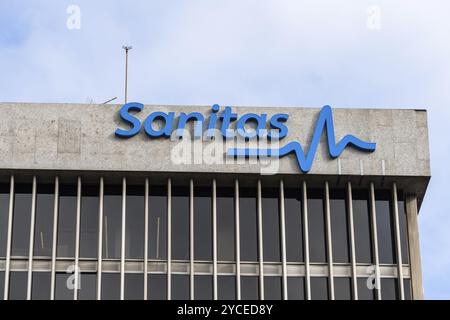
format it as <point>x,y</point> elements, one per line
<point>126,48</point>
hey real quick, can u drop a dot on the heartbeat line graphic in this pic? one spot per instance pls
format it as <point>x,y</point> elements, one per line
<point>305,162</point>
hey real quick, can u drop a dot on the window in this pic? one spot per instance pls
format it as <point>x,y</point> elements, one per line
<point>180,223</point>
<point>403,226</point>
<point>248,224</point>
<point>40,287</point>
<point>296,288</point>
<point>389,289</point>
<point>407,289</point>
<point>225,224</point>
<point>365,289</point>
<point>21,220</point>
<point>2,283</point>
<point>157,223</point>
<point>112,222</point>
<point>249,288</point>
<point>134,286</point>
<point>4,213</point>
<point>180,287</point>
<point>43,230</point>
<point>203,287</point>
<point>110,286</point>
<point>202,224</point>
<point>226,287</point>
<point>294,225</point>
<point>67,220</point>
<point>64,286</point>
<point>316,224</point>
<point>339,226</point>
<point>362,226</point>
<point>134,242</point>
<point>90,202</point>
<point>18,285</point>
<point>272,288</point>
<point>88,286</point>
<point>385,228</point>
<point>319,288</point>
<point>271,225</point>
<point>342,288</point>
<point>157,287</point>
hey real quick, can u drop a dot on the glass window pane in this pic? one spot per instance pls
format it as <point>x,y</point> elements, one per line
<point>271,224</point>
<point>40,287</point>
<point>249,288</point>
<point>362,226</point>
<point>110,286</point>
<point>63,286</point>
<point>134,242</point>
<point>67,220</point>
<point>180,223</point>
<point>316,224</point>
<point>4,212</point>
<point>112,221</point>
<point>18,285</point>
<point>319,288</point>
<point>157,287</point>
<point>88,286</point>
<point>202,224</point>
<point>407,289</point>
<point>43,230</point>
<point>339,226</point>
<point>203,287</point>
<point>389,289</point>
<point>21,220</point>
<point>248,224</point>
<point>385,228</point>
<point>294,225</point>
<point>365,290</point>
<point>402,219</point>
<point>342,288</point>
<point>272,288</point>
<point>225,224</point>
<point>226,287</point>
<point>90,202</point>
<point>157,223</point>
<point>180,287</point>
<point>2,283</point>
<point>134,286</point>
<point>296,288</point>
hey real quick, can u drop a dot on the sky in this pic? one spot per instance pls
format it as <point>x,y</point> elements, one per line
<point>352,53</point>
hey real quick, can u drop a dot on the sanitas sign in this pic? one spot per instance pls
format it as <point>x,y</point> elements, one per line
<point>278,130</point>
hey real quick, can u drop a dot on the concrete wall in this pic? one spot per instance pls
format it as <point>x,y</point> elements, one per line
<point>81,137</point>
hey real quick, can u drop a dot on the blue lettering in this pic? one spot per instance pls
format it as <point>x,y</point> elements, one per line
<point>128,118</point>
<point>277,123</point>
<point>260,125</point>
<point>165,130</point>
<point>197,117</point>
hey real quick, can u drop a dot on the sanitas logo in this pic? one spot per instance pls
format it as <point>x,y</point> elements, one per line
<point>278,130</point>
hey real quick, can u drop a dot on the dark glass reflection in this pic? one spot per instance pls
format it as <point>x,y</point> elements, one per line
<point>18,285</point>
<point>364,289</point>
<point>88,286</point>
<point>2,283</point>
<point>316,224</point>
<point>339,226</point>
<point>319,288</point>
<point>89,221</point>
<point>180,287</point>
<point>202,224</point>
<point>226,287</point>
<point>157,287</point>
<point>362,226</point>
<point>110,286</point>
<point>294,225</point>
<point>271,225</point>
<point>249,288</point>
<point>403,226</point>
<point>157,223</point>
<point>40,286</point>
<point>203,287</point>
<point>272,288</point>
<point>134,242</point>
<point>248,223</point>
<point>134,286</point>
<point>67,220</point>
<point>407,289</point>
<point>112,221</point>
<point>225,224</point>
<point>296,288</point>
<point>64,284</point>
<point>4,212</point>
<point>180,223</point>
<point>389,289</point>
<point>21,220</point>
<point>342,288</point>
<point>385,227</point>
<point>43,230</point>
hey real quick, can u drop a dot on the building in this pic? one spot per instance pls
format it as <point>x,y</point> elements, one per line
<point>85,187</point>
